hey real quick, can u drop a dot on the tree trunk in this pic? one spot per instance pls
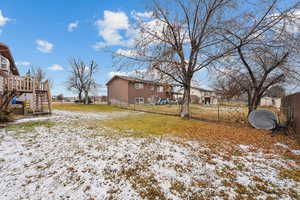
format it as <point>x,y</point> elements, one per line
<point>253,102</point>
<point>80,95</point>
<point>185,107</point>
<point>86,98</point>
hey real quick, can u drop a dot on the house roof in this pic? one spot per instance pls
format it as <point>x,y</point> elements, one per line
<point>4,51</point>
<point>133,79</point>
<point>201,89</point>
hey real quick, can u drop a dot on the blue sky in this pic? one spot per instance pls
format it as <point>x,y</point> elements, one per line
<point>47,33</point>
<point>25,24</point>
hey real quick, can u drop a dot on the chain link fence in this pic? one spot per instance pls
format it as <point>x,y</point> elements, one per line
<point>213,113</point>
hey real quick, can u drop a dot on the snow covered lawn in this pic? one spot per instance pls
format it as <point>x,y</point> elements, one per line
<point>71,160</point>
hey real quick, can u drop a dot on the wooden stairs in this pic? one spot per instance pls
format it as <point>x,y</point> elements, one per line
<point>40,92</point>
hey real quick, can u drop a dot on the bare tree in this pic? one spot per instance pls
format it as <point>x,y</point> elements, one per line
<point>37,73</point>
<point>75,81</point>
<point>81,79</point>
<point>229,87</point>
<point>90,84</point>
<point>60,97</point>
<point>276,91</point>
<point>266,52</point>
<point>180,40</point>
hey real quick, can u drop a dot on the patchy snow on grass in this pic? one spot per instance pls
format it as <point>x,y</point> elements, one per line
<point>62,114</point>
<point>32,119</point>
<point>282,145</point>
<point>296,152</point>
<point>72,161</point>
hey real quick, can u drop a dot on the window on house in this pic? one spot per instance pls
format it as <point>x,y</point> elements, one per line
<point>152,88</point>
<point>4,63</point>
<point>160,89</point>
<point>139,100</point>
<point>138,86</point>
<point>273,102</point>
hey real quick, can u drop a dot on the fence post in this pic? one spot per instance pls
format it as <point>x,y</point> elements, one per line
<point>218,112</point>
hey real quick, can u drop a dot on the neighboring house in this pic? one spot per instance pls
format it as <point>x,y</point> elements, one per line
<point>203,96</point>
<point>69,99</point>
<point>16,89</point>
<point>129,90</point>
<point>271,101</point>
<point>99,99</point>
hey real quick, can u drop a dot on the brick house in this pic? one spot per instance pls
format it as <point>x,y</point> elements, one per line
<point>129,90</point>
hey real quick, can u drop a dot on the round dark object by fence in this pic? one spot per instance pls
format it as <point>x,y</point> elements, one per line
<point>263,119</point>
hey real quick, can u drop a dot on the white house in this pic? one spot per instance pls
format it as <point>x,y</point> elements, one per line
<point>271,101</point>
<point>203,96</point>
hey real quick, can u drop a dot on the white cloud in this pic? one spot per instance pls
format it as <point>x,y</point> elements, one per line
<point>56,67</point>
<point>3,20</point>
<point>128,53</point>
<point>103,91</point>
<point>138,15</point>
<point>109,29</point>
<point>44,46</point>
<point>73,26</point>
<point>99,45</point>
<point>147,74</point>
<point>23,63</point>
<point>294,25</point>
<point>135,73</point>
<point>291,24</point>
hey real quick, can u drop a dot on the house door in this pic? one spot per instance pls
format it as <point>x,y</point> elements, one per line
<point>207,100</point>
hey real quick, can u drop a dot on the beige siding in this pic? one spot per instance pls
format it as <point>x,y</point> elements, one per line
<point>117,91</point>
<point>149,95</point>
<point>269,101</point>
<point>120,91</point>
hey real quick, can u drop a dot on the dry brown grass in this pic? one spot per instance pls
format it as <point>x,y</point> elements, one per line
<point>213,133</point>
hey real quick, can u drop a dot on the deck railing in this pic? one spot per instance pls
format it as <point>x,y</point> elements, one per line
<point>24,84</point>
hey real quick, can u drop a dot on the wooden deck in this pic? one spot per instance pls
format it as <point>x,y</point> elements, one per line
<point>25,84</point>
<point>40,91</point>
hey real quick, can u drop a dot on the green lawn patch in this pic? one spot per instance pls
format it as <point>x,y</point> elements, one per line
<point>86,108</point>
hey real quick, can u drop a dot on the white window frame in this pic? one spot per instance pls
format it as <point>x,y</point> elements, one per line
<point>160,89</point>
<point>4,63</point>
<point>138,85</point>
<point>139,100</point>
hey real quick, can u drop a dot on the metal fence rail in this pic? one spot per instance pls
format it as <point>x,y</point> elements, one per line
<point>214,113</point>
